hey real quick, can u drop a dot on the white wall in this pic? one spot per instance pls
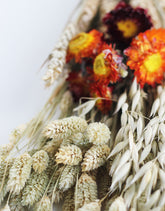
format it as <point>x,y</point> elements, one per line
<point>29,30</point>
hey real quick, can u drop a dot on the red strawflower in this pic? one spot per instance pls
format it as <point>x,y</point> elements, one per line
<point>78,85</point>
<point>125,22</point>
<point>104,95</point>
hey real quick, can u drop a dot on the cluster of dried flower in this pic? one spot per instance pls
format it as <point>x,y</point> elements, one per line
<point>105,163</point>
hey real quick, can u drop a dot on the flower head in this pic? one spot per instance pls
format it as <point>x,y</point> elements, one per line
<point>125,22</point>
<point>78,85</point>
<point>103,93</point>
<point>83,45</point>
<point>107,65</point>
<point>146,56</point>
<point>98,133</point>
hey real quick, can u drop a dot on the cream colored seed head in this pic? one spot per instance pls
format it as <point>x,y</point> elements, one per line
<point>95,157</point>
<point>69,154</point>
<point>68,177</point>
<point>86,190</point>
<point>16,133</point>
<point>66,102</point>
<point>40,161</point>
<point>44,204</point>
<point>98,133</point>
<point>34,188</point>
<point>61,129</point>
<point>6,208</point>
<point>19,173</point>
<point>93,206</point>
<point>118,205</point>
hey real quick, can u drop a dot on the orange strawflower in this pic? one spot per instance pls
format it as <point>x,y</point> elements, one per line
<point>146,56</point>
<point>84,45</point>
<point>107,66</point>
<point>104,95</point>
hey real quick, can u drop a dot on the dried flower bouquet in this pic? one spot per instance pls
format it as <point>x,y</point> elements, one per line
<point>99,142</point>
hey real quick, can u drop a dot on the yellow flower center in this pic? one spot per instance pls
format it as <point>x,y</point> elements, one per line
<point>80,42</point>
<point>153,63</point>
<point>99,65</point>
<point>128,27</point>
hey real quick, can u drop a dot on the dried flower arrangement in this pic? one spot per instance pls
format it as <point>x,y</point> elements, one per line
<point>106,149</point>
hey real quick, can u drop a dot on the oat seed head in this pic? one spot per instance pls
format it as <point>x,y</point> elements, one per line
<point>34,188</point>
<point>61,129</point>
<point>19,173</point>
<point>69,154</point>
<point>86,190</point>
<point>118,205</point>
<point>95,157</point>
<point>44,204</point>
<point>98,133</point>
<point>40,161</point>
<point>68,177</point>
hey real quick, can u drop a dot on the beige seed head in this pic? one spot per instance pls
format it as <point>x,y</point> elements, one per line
<point>6,208</point>
<point>69,154</point>
<point>19,173</point>
<point>66,103</point>
<point>44,204</point>
<point>86,190</point>
<point>68,204</point>
<point>93,206</point>
<point>53,191</point>
<point>98,133</point>
<point>57,57</point>
<point>87,14</point>
<point>51,147</point>
<point>17,133</point>
<point>68,177</point>
<point>40,161</point>
<point>95,157</point>
<point>5,149</point>
<point>34,188</point>
<point>15,203</point>
<point>61,129</point>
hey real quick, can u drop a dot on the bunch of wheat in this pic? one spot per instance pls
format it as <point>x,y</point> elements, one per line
<point>103,152</point>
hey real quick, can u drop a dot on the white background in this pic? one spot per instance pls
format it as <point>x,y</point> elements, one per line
<point>29,30</point>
